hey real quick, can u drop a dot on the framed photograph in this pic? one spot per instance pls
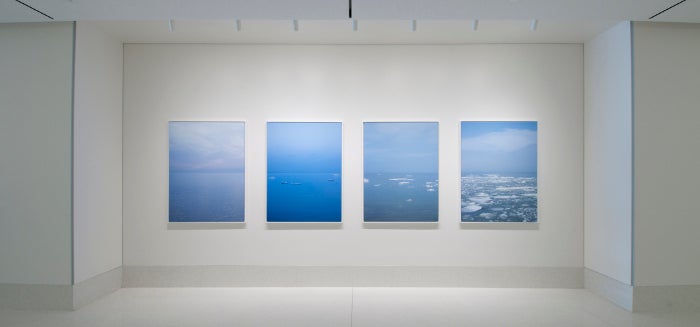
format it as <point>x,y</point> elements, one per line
<point>304,166</point>
<point>206,171</point>
<point>499,171</point>
<point>401,172</point>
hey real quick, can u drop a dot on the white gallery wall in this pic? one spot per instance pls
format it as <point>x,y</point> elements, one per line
<point>352,84</point>
<point>608,154</point>
<point>97,222</point>
<point>666,154</point>
<point>36,75</point>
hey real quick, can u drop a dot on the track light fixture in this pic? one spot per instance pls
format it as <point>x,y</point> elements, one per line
<point>533,25</point>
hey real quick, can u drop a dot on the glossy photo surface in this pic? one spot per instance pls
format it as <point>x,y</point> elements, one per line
<point>401,172</point>
<point>304,166</point>
<point>206,171</point>
<point>499,171</point>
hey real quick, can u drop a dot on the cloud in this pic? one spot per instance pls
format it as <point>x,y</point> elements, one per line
<point>401,147</point>
<point>401,133</point>
<point>207,146</point>
<point>508,140</point>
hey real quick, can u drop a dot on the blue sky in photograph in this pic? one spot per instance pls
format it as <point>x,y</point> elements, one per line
<point>207,147</point>
<point>401,147</point>
<point>304,147</point>
<point>499,147</point>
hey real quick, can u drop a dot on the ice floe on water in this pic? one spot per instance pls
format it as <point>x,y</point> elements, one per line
<point>505,197</point>
<point>515,188</point>
<point>481,198</point>
<point>471,208</point>
<point>431,186</point>
<point>400,197</point>
<point>499,197</point>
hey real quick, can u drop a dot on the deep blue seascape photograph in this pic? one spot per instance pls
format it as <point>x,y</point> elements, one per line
<point>499,171</point>
<point>206,171</point>
<point>401,172</point>
<point>304,166</point>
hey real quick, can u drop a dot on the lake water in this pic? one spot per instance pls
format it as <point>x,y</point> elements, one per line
<point>401,197</point>
<point>304,197</point>
<point>207,197</point>
<point>499,197</point>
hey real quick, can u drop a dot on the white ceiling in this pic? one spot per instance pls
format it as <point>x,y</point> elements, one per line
<point>328,21</point>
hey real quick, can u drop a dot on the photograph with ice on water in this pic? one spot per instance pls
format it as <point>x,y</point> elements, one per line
<point>499,171</point>
<point>401,171</point>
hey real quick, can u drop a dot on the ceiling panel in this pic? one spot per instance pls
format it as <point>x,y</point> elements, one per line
<point>687,12</point>
<point>509,9</point>
<point>13,12</point>
<point>67,10</point>
<point>361,9</point>
<point>327,21</point>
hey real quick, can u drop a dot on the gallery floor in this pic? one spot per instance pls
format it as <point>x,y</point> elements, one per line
<point>347,307</point>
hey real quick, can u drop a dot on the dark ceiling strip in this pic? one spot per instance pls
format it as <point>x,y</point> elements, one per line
<point>667,9</point>
<point>32,8</point>
<point>350,9</point>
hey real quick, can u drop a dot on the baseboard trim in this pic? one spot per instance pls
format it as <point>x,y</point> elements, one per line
<point>71,297</point>
<point>609,288</point>
<point>96,287</point>
<point>36,297</point>
<point>352,276</point>
<point>59,297</point>
<point>667,298</point>
<point>643,298</point>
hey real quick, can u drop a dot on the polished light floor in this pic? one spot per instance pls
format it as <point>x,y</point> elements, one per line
<point>347,307</point>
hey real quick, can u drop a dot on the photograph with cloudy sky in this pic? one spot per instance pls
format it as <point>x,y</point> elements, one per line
<point>207,168</point>
<point>499,171</point>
